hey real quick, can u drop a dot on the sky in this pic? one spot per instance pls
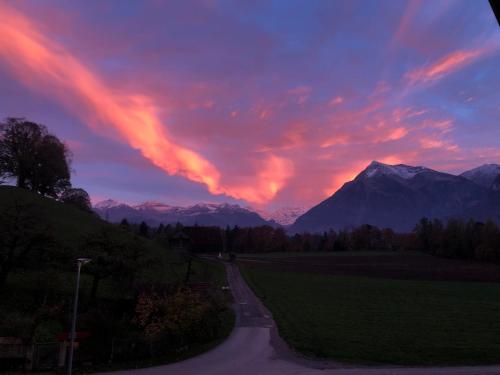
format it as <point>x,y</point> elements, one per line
<point>265,103</point>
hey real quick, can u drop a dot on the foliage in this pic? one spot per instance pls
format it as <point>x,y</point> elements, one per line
<point>176,314</point>
<point>37,159</point>
<point>459,239</point>
<point>111,255</point>
<point>267,239</point>
<point>78,198</point>
<point>24,239</point>
<point>454,239</point>
<point>144,229</point>
<point>36,302</point>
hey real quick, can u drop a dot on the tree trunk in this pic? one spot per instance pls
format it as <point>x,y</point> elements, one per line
<point>21,181</point>
<point>188,271</point>
<point>95,286</point>
<point>3,278</point>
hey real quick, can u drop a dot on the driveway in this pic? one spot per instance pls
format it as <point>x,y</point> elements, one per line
<point>254,348</point>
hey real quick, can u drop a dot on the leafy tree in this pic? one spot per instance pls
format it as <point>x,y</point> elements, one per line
<point>77,197</point>
<point>37,159</point>
<point>176,314</point>
<point>488,249</point>
<point>107,254</point>
<point>24,238</point>
<point>112,256</point>
<point>144,229</point>
<point>160,229</point>
<point>134,258</point>
<point>124,224</point>
<point>51,175</point>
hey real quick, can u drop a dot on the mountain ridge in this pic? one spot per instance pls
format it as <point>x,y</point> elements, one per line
<point>155,213</point>
<point>397,196</point>
<point>385,195</point>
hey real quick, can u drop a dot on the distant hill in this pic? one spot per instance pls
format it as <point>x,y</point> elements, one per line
<point>154,213</point>
<point>397,196</point>
<point>68,223</point>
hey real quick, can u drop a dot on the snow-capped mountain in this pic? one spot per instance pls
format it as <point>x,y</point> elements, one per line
<point>155,207</point>
<point>108,203</point>
<point>399,170</point>
<point>483,175</point>
<point>397,196</point>
<point>155,213</point>
<point>394,196</point>
<point>284,216</point>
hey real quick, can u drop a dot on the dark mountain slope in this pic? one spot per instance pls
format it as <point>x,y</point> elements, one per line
<point>397,196</point>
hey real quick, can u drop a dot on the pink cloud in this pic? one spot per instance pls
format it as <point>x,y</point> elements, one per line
<point>300,94</point>
<point>336,101</point>
<point>444,66</point>
<point>269,138</point>
<point>42,63</point>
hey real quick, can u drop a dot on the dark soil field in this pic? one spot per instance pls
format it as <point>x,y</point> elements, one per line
<point>401,266</point>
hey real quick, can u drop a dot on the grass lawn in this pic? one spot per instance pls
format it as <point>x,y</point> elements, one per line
<point>203,270</point>
<point>367,320</point>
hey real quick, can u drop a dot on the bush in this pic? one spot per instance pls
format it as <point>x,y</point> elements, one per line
<point>180,317</point>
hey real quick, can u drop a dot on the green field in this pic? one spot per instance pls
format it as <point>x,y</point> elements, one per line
<point>298,254</point>
<point>368,320</point>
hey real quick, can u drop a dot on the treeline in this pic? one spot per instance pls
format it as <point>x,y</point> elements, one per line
<point>459,239</point>
<point>454,239</point>
<point>266,239</point>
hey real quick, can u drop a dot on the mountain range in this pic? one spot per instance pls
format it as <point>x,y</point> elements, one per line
<point>397,196</point>
<point>388,196</point>
<point>204,214</point>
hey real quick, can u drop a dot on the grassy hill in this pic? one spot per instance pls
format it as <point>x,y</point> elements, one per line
<point>70,226</point>
<point>39,288</point>
<point>69,223</point>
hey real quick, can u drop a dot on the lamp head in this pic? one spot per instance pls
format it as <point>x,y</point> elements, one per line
<point>83,260</point>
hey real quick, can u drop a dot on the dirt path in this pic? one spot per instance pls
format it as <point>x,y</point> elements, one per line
<point>254,348</point>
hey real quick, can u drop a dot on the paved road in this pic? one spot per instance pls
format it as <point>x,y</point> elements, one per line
<point>254,348</point>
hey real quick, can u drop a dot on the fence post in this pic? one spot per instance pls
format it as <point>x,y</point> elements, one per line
<point>30,356</point>
<point>111,357</point>
<point>62,354</point>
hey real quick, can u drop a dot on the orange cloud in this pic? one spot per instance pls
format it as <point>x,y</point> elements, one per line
<point>271,179</point>
<point>341,177</point>
<point>447,64</point>
<point>46,66</point>
<point>427,143</point>
<point>338,139</point>
<point>396,134</point>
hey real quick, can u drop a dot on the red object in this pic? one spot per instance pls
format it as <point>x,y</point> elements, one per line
<point>79,335</point>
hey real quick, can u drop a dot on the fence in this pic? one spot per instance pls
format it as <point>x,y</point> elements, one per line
<point>18,357</point>
<point>13,356</point>
<point>46,356</point>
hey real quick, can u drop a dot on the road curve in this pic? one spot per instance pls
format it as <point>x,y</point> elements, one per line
<point>254,348</point>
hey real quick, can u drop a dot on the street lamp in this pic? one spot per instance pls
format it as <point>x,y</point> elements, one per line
<point>79,262</point>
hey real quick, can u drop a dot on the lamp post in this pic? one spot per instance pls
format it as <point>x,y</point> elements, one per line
<point>79,262</point>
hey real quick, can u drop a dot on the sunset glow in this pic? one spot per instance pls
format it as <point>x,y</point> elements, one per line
<point>235,103</point>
